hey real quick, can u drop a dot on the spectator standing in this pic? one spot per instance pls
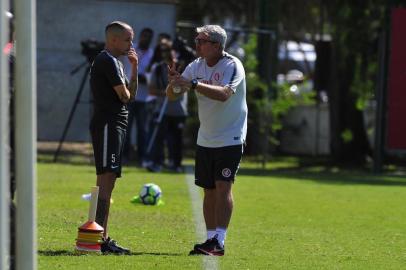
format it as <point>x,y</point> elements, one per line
<point>140,108</point>
<point>174,116</point>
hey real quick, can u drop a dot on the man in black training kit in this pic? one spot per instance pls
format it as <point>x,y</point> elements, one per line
<point>111,92</point>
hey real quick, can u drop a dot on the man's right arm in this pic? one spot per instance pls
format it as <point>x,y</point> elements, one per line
<point>133,58</point>
<point>123,93</point>
<point>115,75</point>
<point>126,94</point>
<point>133,86</point>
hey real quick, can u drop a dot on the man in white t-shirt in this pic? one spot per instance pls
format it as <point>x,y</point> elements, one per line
<point>218,80</point>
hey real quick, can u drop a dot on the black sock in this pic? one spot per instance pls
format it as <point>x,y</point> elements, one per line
<point>101,211</point>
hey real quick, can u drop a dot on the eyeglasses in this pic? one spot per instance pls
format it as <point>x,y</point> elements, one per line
<point>201,41</point>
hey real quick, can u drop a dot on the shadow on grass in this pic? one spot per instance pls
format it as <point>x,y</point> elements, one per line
<point>327,175</point>
<point>71,159</point>
<point>58,253</point>
<point>52,253</point>
<point>294,168</point>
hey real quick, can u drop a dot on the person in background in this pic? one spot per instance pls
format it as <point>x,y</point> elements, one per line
<point>140,108</point>
<point>184,53</point>
<point>174,115</point>
<point>156,58</point>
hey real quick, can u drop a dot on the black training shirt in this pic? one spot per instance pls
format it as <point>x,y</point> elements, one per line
<point>107,72</point>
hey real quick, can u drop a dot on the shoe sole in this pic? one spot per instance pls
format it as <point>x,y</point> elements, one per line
<point>116,253</point>
<point>208,253</point>
<point>195,252</point>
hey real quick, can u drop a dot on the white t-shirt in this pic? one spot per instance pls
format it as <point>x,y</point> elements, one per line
<point>221,123</point>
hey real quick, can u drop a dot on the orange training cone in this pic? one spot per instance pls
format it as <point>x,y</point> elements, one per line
<point>90,234</point>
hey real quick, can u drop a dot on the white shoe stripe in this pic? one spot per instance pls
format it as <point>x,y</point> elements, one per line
<point>105,140</point>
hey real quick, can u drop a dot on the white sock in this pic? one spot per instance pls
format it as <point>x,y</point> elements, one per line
<point>221,235</point>
<point>211,234</point>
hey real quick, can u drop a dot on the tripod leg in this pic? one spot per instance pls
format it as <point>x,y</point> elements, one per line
<point>72,112</point>
<point>161,115</point>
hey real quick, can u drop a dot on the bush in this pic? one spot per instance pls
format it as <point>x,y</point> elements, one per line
<point>266,112</point>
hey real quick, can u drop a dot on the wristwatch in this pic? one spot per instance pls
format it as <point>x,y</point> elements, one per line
<point>194,83</point>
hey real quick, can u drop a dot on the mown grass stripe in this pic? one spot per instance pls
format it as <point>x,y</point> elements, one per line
<point>209,262</point>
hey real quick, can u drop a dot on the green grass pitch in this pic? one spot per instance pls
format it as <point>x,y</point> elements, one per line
<point>284,218</point>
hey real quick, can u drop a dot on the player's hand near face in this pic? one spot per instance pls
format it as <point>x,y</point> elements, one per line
<point>132,57</point>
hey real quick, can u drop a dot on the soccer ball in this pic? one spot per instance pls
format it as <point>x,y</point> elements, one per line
<point>150,194</point>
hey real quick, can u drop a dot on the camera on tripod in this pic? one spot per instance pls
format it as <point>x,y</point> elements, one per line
<point>91,48</point>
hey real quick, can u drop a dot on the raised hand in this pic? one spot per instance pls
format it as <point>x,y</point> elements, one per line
<point>172,69</point>
<point>181,82</point>
<point>172,72</point>
<point>132,57</point>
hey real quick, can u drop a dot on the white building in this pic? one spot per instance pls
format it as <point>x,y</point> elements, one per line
<point>61,26</point>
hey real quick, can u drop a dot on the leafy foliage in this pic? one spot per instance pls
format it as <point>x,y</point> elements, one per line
<point>286,100</point>
<point>259,106</point>
<point>265,112</point>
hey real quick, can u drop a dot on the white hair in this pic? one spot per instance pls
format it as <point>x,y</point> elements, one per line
<point>215,32</point>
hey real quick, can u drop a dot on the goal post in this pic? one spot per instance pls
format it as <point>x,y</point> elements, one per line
<point>4,140</point>
<point>26,134</point>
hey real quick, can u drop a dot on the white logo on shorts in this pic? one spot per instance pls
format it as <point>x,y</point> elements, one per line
<point>226,172</point>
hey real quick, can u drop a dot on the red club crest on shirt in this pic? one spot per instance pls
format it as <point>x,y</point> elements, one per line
<point>216,76</point>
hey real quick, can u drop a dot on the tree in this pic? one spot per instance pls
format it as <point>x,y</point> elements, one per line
<point>216,11</point>
<point>354,27</point>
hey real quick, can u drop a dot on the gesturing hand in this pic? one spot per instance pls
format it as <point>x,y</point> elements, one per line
<point>172,72</point>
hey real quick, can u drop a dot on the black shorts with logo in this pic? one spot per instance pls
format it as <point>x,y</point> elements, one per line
<point>216,164</point>
<point>108,139</point>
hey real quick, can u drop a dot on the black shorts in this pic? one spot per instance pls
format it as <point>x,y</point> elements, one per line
<point>108,142</point>
<point>216,164</point>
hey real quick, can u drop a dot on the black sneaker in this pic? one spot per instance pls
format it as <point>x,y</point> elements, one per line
<point>110,246</point>
<point>211,247</point>
<point>196,251</point>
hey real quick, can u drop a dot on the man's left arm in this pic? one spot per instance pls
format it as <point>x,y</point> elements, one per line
<point>232,77</point>
<point>133,85</point>
<point>216,92</point>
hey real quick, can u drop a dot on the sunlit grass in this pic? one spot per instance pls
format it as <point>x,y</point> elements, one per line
<point>286,217</point>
